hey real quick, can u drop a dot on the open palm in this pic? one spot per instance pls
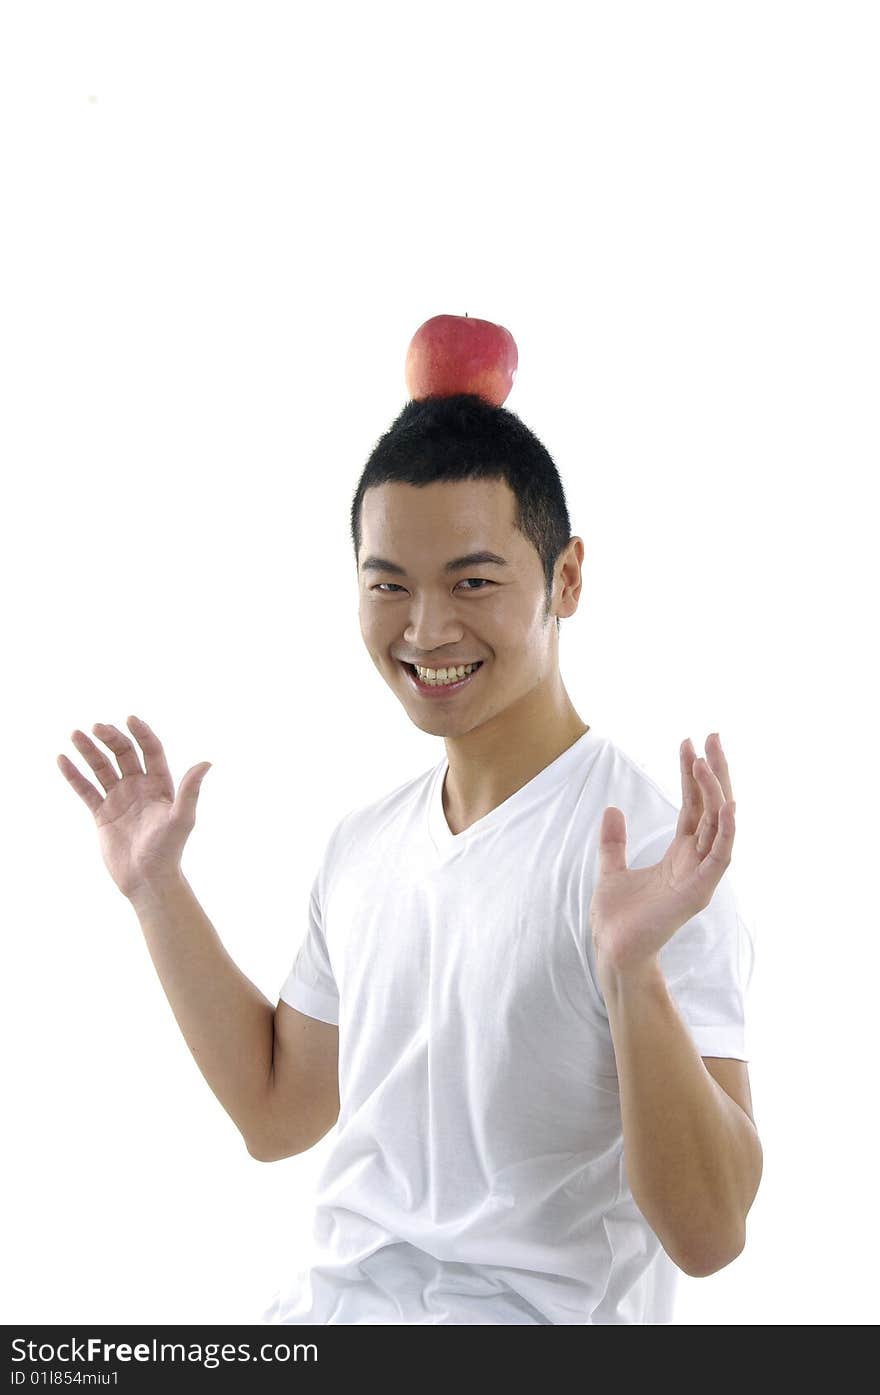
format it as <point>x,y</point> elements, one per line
<point>635,911</point>
<point>142,826</point>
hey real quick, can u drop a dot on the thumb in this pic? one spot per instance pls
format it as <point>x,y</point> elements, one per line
<point>188,791</point>
<point>612,841</point>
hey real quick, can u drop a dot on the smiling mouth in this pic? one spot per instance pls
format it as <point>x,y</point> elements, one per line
<point>453,685</point>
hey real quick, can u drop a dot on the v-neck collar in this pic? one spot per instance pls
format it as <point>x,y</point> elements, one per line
<point>447,843</point>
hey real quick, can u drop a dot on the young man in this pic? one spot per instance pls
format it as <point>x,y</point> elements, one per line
<point>528,1033</point>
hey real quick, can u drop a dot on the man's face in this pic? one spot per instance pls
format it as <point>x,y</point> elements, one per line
<point>486,612</point>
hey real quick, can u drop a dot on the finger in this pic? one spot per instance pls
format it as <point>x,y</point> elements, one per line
<point>121,747</point>
<point>713,799</point>
<point>95,757</point>
<point>84,788</point>
<point>691,797</point>
<point>154,751</point>
<point>713,867</point>
<point>718,762</point>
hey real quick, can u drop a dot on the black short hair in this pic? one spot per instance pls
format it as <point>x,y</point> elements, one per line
<point>463,437</point>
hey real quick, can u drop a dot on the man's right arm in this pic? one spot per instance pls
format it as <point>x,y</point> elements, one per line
<point>305,1083</point>
<point>273,1071</point>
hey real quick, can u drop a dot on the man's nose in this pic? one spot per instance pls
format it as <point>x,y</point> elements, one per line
<point>432,623</point>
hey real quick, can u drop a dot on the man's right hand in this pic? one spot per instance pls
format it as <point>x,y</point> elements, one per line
<point>142,827</point>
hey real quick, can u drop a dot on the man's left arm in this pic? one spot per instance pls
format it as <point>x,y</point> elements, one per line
<point>692,1154</point>
<point>693,1157</point>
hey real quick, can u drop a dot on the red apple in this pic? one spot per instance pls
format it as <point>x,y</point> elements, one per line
<point>453,353</point>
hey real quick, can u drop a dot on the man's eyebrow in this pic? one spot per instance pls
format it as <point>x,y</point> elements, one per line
<point>471,559</point>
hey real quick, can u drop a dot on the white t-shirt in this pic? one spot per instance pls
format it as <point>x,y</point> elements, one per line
<point>476,1171</point>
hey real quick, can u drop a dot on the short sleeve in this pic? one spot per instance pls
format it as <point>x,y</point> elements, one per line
<point>703,962</point>
<point>310,986</point>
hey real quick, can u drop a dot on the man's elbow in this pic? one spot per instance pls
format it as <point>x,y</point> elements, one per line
<point>701,1265</point>
<point>265,1154</point>
<point>259,1154</point>
<point>704,1259</point>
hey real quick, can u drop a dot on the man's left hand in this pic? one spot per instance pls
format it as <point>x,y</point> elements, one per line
<point>633,913</point>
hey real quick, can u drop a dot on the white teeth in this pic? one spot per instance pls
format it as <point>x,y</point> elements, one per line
<point>435,676</point>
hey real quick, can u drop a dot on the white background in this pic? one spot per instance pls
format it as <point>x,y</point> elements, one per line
<point>223,223</point>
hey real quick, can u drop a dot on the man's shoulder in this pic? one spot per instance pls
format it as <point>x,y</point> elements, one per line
<point>623,780</point>
<point>397,803</point>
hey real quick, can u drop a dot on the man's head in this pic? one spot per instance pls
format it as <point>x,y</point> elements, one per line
<point>451,477</point>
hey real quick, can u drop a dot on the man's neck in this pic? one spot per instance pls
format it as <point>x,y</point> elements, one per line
<point>487,766</point>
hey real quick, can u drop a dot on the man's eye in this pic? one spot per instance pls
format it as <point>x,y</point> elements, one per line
<point>480,580</point>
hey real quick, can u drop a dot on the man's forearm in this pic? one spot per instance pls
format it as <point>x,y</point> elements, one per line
<point>693,1157</point>
<point>228,1024</point>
